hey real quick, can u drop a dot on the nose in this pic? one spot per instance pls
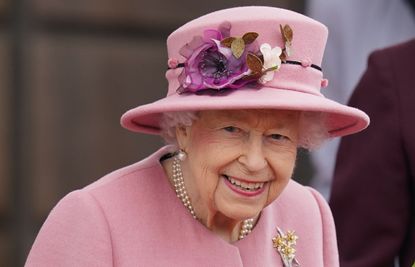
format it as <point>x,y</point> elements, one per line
<point>252,156</point>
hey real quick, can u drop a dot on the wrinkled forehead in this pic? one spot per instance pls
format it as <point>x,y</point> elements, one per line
<point>269,118</point>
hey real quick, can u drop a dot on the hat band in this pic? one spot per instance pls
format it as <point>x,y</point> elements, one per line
<point>289,77</point>
<point>302,64</point>
<point>181,65</point>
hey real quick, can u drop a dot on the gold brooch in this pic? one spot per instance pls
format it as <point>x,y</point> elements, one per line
<point>285,245</point>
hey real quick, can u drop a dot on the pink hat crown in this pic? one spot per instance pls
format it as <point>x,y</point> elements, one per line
<point>305,49</point>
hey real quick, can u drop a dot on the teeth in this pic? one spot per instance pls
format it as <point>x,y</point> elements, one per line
<point>236,182</point>
<point>244,185</point>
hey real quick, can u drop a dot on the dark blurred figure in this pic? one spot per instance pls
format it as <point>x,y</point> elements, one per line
<point>373,189</point>
<point>412,3</point>
<point>356,28</point>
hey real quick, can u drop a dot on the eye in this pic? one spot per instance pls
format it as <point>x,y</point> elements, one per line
<point>232,129</point>
<point>278,137</point>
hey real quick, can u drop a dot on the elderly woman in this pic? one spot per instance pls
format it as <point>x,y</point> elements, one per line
<point>244,94</point>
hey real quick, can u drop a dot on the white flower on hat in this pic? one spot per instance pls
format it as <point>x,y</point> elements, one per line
<point>272,61</point>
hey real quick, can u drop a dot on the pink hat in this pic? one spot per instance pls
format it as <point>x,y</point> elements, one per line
<point>247,58</point>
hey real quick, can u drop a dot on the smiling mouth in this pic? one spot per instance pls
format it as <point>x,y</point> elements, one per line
<point>245,186</point>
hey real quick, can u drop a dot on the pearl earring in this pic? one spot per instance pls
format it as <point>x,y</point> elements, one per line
<point>181,155</point>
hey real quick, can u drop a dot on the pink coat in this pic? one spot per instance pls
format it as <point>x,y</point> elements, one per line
<point>132,217</point>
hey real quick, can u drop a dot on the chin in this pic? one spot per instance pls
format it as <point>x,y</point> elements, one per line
<point>239,212</point>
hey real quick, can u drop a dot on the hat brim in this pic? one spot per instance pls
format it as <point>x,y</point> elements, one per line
<point>340,119</point>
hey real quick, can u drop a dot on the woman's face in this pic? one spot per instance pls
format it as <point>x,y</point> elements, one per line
<point>238,161</point>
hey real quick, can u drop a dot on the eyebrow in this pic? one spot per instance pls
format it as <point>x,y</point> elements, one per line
<point>239,118</point>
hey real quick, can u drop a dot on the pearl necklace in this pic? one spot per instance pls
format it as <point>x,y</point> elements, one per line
<point>181,193</point>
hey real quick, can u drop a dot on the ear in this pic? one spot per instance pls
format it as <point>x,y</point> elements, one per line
<point>183,136</point>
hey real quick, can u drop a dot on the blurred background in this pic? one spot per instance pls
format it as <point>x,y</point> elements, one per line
<point>69,69</point>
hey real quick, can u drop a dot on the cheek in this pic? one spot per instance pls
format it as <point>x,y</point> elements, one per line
<point>283,170</point>
<point>205,159</point>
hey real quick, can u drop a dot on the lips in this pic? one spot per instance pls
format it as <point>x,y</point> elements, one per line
<point>244,187</point>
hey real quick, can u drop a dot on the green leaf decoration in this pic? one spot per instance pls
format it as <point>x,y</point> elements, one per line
<point>287,36</point>
<point>249,37</point>
<point>254,63</point>
<point>238,47</point>
<point>227,42</point>
<point>287,33</point>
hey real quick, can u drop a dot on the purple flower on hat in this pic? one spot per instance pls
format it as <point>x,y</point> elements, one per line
<point>209,64</point>
<point>216,60</point>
